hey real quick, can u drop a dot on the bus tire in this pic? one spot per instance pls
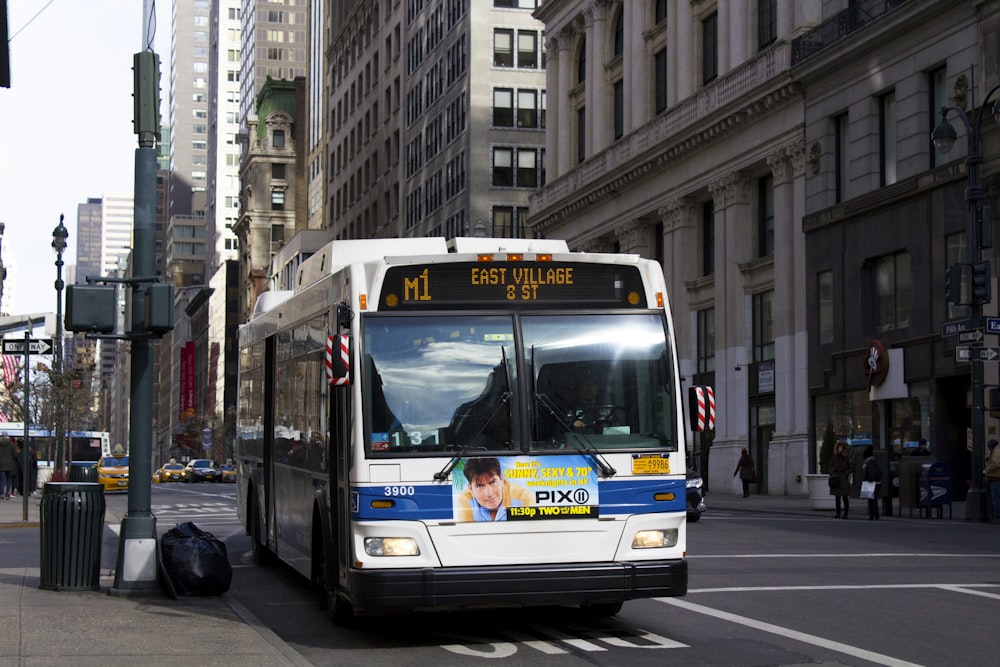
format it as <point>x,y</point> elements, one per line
<point>261,554</point>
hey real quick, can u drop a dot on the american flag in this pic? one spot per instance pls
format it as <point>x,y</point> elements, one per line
<point>11,369</point>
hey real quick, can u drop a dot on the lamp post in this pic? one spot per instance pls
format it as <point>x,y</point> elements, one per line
<point>980,236</point>
<point>59,236</point>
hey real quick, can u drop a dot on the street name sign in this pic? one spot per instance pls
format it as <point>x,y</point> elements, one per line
<point>993,325</point>
<point>956,327</point>
<point>971,336</point>
<point>966,353</point>
<point>35,346</point>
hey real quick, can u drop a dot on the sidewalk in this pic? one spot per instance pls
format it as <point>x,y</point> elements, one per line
<point>802,506</point>
<point>95,628</point>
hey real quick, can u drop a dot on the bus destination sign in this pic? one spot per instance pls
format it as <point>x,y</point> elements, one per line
<point>524,284</point>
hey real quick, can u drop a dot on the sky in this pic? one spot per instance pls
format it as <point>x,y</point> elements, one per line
<point>66,127</point>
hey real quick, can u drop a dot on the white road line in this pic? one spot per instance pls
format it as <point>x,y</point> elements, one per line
<point>806,638</point>
<point>843,555</point>
<point>963,588</point>
<point>754,589</point>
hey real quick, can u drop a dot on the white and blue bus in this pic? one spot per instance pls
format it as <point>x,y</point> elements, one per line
<point>435,425</point>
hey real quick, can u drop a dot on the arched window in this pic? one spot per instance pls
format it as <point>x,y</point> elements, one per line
<point>581,61</point>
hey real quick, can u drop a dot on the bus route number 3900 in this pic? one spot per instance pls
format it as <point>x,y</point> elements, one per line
<point>396,491</point>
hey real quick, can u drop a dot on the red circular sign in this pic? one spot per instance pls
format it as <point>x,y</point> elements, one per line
<point>876,363</point>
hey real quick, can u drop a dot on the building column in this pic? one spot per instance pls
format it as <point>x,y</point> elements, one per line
<point>680,265</point>
<point>553,103</point>
<point>635,63</point>
<point>634,237</point>
<point>786,19</point>
<point>731,200</point>
<point>595,19</point>
<point>565,120</point>
<point>683,83</point>
<point>723,10</point>
<point>739,36</point>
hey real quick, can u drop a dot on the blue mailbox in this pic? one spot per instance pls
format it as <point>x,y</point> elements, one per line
<point>934,486</point>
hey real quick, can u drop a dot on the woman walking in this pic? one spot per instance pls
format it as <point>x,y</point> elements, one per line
<point>873,474</point>
<point>840,478</point>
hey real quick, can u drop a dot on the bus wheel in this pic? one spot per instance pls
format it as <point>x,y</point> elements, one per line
<point>261,554</point>
<point>601,609</point>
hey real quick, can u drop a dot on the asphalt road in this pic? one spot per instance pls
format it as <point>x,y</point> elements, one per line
<point>765,589</point>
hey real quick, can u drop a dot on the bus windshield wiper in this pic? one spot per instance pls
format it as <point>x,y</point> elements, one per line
<point>504,399</point>
<point>583,443</point>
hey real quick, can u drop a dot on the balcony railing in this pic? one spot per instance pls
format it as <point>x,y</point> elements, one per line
<point>840,25</point>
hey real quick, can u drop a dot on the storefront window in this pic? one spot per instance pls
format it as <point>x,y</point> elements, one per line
<point>854,418</point>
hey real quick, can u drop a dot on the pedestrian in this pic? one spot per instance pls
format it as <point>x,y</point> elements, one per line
<point>7,465</point>
<point>744,468</point>
<point>993,476</point>
<point>922,449</point>
<point>29,477</point>
<point>840,478</point>
<point>873,474</point>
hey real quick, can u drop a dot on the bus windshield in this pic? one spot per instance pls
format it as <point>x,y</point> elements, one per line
<point>437,384</point>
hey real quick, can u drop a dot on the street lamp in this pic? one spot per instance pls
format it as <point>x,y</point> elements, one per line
<point>944,137</point>
<point>59,236</point>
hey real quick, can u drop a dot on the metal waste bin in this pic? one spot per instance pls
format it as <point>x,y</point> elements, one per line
<point>72,525</point>
<point>83,472</point>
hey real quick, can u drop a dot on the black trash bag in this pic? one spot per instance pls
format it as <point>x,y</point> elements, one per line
<point>194,562</point>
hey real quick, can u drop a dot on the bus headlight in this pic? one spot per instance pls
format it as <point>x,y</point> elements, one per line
<point>655,539</point>
<point>391,546</point>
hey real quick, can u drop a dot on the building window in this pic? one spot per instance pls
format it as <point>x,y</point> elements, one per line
<point>509,221</point>
<point>503,47</point>
<point>841,155</point>
<point>956,252</point>
<point>706,340</point>
<point>765,216</point>
<point>503,107</point>
<point>824,291</point>
<point>660,85</point>
<point>278,139</point>
<point>277,200</point>
<point>527,49</point>
<point>660,12</point>
<point>893,292</point>
<point>503,169</point>
<point>710,48</point>
<point>581,61</point>
<point>581,134</point>
<point>707,239</point>
<point>767,23</point>
<point>619,91</point>
<point>763,326</point>
<point>527,168</point>
<point>887,135</point>
<point>278,171</point>
<point>938,99</point>
<point>527,108</point>
<point>619,45</point>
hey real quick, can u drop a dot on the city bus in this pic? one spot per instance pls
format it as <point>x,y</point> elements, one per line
<point>417,429</point>
<point>86,446</point>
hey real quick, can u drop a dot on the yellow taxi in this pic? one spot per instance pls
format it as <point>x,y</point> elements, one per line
<point>228,471</point>
<point>112,472</point>
<point>169,472</point>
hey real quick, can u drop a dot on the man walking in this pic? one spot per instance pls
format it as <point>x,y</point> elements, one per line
<point>7,463</point>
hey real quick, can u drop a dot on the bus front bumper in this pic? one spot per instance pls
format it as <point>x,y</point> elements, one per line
<point>375,591</point>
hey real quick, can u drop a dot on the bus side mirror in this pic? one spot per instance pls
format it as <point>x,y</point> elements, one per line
<point>701,408</point>
<point>338,359</point>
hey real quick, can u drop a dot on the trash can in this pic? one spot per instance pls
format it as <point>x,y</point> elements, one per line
<point>935,487</point>
<point>72,523</point>
<point>83,472</point>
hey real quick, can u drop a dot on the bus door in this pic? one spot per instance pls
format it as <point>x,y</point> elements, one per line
<point>267,473</point>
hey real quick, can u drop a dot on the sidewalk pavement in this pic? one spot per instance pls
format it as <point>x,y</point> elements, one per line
<point>45,628</point>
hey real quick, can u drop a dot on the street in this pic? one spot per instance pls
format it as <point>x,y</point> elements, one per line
<point>765,589</point>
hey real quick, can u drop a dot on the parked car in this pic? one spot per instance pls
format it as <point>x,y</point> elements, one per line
<point>228,472</point>
<point>112,473</point>
<point>695,495</point>
<point>201,470</point>
<point>169,472</point>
